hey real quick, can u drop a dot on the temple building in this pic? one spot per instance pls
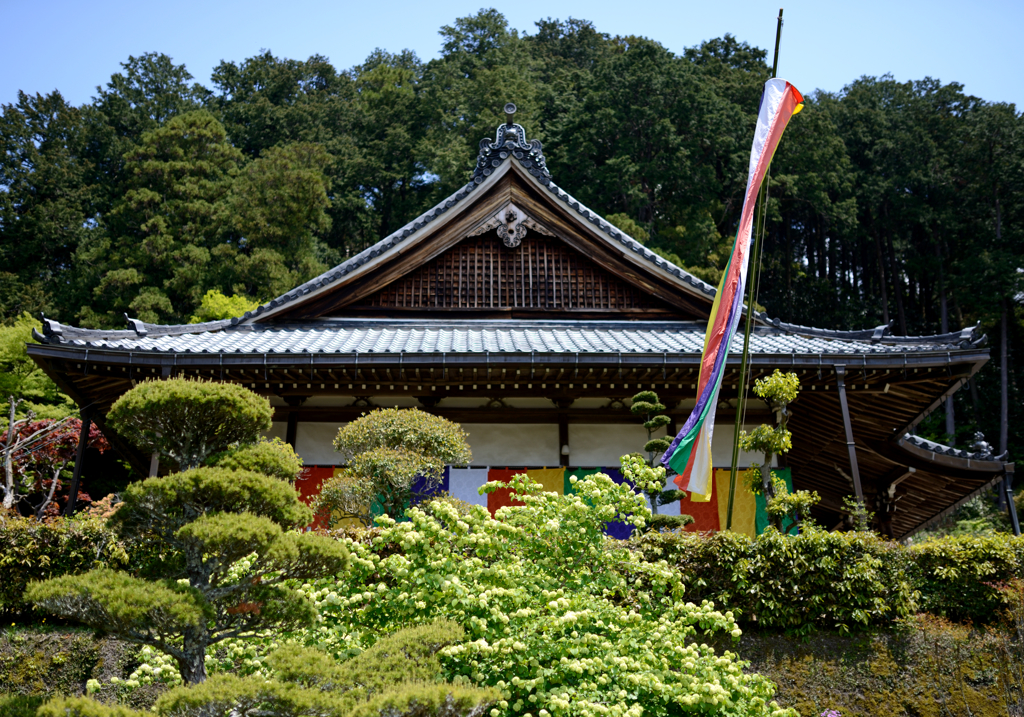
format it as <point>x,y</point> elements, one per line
<point>520,313</point>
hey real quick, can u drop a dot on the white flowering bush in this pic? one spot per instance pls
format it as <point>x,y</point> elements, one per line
<point>558,618</point>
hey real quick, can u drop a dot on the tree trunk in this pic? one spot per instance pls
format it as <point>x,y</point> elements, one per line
<point>881,280</point>
<point>896,284</point>
<point>193,666</point>
<point>1004,380</point>
<point>944,321</point>
<point>8,461</point>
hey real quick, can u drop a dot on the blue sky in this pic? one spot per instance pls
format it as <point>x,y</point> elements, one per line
<point>74,46</point>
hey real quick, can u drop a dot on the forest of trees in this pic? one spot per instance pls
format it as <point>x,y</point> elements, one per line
<point>890,201</point>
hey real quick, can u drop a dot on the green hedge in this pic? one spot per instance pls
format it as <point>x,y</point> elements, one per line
<point>31,550</point>
<point>962,577</point>
<point>838,581</point>
<point>841,581</point>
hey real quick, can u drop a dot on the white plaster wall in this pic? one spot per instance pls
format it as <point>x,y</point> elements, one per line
<point>601,445</point>
<point>721,447</point>
<point>513,444</point>
<point>314,442</point>
<point>278,429</point>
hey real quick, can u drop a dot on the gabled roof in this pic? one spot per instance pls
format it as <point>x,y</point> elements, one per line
<point>509,147</point>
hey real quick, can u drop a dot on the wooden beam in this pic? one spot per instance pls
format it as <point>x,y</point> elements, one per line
<point>76,476</point>
<point>850,445</point>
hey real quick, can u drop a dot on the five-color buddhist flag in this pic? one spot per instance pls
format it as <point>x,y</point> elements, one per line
<point>690,452</point>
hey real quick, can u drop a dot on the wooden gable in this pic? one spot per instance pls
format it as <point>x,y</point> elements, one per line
<point>541,275</point>
<point>510,249</point>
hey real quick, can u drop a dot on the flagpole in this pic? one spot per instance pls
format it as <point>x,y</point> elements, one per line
<point>754,271</point>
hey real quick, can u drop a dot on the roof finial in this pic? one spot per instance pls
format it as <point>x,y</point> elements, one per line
<point>510,110</point>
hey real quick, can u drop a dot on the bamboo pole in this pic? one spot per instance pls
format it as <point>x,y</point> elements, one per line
<point>754,271</point>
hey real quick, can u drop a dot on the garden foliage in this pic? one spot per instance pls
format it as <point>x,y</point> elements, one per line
<point>33,550</point>
<point>189,420</point>
<point>802,583</point>
<point>394,458</point>
<point>558,618</point>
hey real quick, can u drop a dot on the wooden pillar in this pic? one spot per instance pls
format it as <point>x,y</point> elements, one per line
<point>293,418</point>
<point>563,439</point>
<point>76,476</point>
<point>293,428</point>
<point>850,445</point>
<point>1011,507</point>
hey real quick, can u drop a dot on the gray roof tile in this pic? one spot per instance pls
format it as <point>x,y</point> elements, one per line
<point>475,336</point>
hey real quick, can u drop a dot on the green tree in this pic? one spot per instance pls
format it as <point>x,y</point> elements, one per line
<point>279,205</point>
<point>189,420</point>
<point>229,534</point>
<point>233,545</point>
<point>778,391</point>
<point>149,91</point>
<point>484,64</point>
<point>47,203</point>
<point>215,307</point>
<point>395,457</point>
<point>22,378</point>
<point>155,263</point>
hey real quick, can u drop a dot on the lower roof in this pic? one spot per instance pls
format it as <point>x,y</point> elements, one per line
<point>468,336</point>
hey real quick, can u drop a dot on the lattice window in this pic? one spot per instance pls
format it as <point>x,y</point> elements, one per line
<point>481,273</point>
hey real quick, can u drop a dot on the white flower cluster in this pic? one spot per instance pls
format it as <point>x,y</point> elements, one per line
<point>559,618</point>
<point>636,471</point>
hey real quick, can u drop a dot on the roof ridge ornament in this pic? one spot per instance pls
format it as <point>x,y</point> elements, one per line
<point>510,140</point>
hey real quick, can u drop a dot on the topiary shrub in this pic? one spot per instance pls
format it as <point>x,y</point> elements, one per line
<point>231,554</point>
<point>397,677</point>
<point>650,477</point>
<point>395,458</point>
<point>189,420</point>
<point>275,458</point>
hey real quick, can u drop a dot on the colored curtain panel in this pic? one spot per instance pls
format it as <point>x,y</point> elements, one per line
<point>420,486</point>
<point>749,512</point>
<point>704,510</point>
<point>465,483</point>
<point>553,479</point>
<point>744,509</point>
<point>504,497</point>
<point>689,455</point>
<point>616,529</point>
<point>308,485</point>
<point>762,504</point>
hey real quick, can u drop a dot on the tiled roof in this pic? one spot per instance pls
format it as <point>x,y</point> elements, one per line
<point>942,449</point>
<point>476,336</point>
